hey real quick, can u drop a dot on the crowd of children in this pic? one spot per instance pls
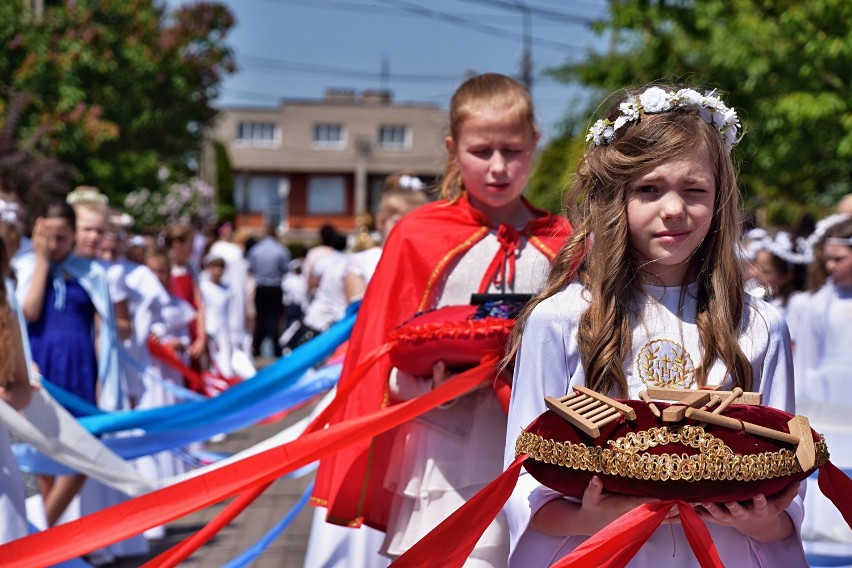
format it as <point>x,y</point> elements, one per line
<point>654,256</point>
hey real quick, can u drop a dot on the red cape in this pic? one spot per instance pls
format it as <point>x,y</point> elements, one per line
<point>416,257</point>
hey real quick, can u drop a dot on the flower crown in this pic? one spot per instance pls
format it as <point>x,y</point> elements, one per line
<point>86,194</point>
<point>656,100</point>
<point>783,246</point>
<point>823,226</point>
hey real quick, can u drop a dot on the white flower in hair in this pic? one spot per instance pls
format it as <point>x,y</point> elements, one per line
<point>688,97</point>
<point>601,132</point>
<point>412,183</point>
<point>655,100</point>
<point>9,212</point>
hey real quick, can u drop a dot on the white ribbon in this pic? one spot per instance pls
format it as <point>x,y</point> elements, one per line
<point>53,431</point>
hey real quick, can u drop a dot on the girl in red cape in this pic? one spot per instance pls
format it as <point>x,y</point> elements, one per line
<point>482,237</point>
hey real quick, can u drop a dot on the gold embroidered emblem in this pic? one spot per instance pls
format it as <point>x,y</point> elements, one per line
<point>665,363</point>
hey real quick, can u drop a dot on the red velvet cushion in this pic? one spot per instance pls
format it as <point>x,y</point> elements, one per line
<point>573,482</point>
<point>454,334</point>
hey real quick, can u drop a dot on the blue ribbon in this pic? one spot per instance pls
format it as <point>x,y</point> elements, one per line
<point>281,374</point>
<point>260,546</point>
<point>284,384</point>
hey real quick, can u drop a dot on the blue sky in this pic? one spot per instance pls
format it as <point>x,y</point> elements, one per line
<point>300,48</point>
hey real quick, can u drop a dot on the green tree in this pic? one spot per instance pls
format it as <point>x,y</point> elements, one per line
<point>33,177</point>
<point>783,64</point>
<point>118,88</point>
<point>551,176</point>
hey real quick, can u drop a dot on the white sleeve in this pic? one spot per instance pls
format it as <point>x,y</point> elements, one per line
<point>776,368</point>
<point>543,368</point>
<point>116,278</point>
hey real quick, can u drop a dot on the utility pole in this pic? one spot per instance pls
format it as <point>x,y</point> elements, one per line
<point>362,154</point>
<point>526,58</point>
<point>385,74</point>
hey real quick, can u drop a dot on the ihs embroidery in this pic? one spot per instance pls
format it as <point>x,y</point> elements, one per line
<point>664,363</point>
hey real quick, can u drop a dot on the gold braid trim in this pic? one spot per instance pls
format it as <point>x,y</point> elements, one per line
<point>714,462</point>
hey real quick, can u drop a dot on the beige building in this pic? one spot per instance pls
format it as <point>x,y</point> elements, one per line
<point>309,162</point>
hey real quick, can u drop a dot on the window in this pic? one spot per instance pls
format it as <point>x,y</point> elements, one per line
<point>329,135</point>
<point>394,137</point>
<point>259,134</point>
<point>326,195</point>
<point>262,194</point>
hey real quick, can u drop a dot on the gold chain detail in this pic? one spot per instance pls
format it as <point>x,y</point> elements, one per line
<point>625,456</point>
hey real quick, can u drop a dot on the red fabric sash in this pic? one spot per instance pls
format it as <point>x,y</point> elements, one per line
<point>612,547</point>
<point>129,518</point>
<point>618,542</point>
<point>181,551</point>
<point>458,534</point>
<point>835,485</point>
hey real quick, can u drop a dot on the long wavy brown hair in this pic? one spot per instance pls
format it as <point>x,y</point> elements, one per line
<point>599,255</point>
<point>481,92</point>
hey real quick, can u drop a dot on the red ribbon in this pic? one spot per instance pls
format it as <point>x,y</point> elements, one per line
<point>618,542</point>
<point>70,540</point>
<point>181,551</point>
<point>611,547</point>
<point>458,534</point>
<point>835,485</point>
<point>193,379</point>
<point>509,240</point>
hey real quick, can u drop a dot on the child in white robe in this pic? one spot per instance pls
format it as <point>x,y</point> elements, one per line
<point>652,269</point>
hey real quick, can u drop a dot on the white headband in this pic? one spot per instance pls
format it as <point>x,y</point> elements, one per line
<point>838,241</point>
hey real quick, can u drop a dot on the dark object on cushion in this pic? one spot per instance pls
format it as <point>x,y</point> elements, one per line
<point>458,335</point>
<point>648,457</point>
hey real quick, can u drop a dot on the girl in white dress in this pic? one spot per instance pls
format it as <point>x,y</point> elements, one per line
<point>223,332</point>
<point>824,356</point>
<point>651,267</point>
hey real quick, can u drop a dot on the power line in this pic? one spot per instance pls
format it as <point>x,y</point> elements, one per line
<point>346,71</point>
<point>403,7</point>
<point>538,11</point>
<point>478,26</point>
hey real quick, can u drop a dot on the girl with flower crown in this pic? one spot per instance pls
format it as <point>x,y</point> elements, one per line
<point>652,265</point>
<point>779,269</point>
